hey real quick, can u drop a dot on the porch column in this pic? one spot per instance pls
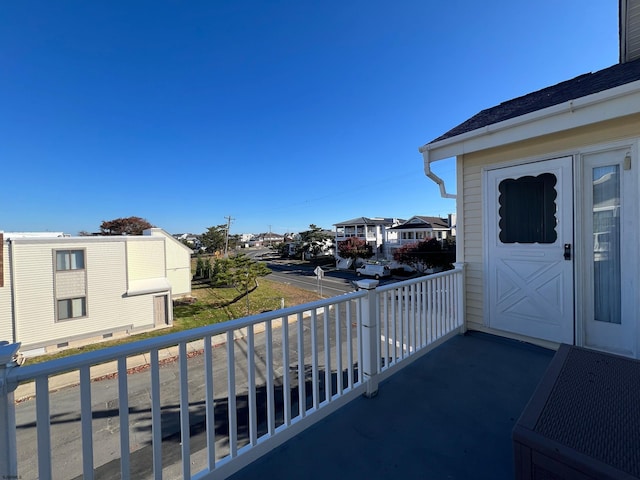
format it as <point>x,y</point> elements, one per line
<point>370,336</point>
<point>8,445</point>
<point>460,297</point>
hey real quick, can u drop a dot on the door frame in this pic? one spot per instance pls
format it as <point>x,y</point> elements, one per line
<point>584,252</point>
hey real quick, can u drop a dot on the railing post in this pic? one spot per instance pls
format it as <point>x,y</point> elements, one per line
<point>8,444</point>
<point>460,304</point>
<point>370,338</point>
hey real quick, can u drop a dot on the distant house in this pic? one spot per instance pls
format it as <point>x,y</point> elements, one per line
<point>420,228</point>
<point>63,291</point>
<point>548,220</point>
<point>375,231</point>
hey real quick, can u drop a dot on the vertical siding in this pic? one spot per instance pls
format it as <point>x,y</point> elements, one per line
<point>6,316</point>
<point>547,147</point>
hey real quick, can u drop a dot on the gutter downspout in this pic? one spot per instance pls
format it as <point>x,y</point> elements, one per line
<point>433,176</point>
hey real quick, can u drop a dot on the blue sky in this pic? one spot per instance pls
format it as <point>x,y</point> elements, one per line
<point>277,113</point>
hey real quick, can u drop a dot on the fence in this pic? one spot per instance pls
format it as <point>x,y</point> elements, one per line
<point>213,399</point>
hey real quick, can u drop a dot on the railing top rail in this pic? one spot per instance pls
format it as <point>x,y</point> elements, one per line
<point>74,362</point>
<point>433,276</point>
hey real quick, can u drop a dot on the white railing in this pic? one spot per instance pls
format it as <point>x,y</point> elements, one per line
<point>216,397</point>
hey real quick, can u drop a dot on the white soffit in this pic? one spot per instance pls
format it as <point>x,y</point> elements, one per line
<point>598,107</point>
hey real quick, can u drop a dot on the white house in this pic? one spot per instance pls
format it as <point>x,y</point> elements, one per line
<point>420,228</point>
<point>63,291</point>
<point>548,213</point>
<point>375,231</point>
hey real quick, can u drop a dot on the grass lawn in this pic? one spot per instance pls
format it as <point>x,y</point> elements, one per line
<point>212,306</point>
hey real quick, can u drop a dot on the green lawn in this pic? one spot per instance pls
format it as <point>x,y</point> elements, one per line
<point>212,305</point>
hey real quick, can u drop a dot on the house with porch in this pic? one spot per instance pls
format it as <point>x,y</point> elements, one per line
<point>373,230</point>
<point>547,207</point>
<point>420,228</point>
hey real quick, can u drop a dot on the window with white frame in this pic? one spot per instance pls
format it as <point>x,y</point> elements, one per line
<point>72,308</point>
<point>69,260</point>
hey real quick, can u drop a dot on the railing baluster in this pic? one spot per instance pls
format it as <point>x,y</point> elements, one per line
<point>314,359</point>
<point>231,393</point>
<point>156,415</point>
<point>209,403</point>
<point>271,409</point>
<point>423,315</point>
<point>43,425</point>
<point>349,323</point>
<point>302,394</point>
<point>360,340</point>
<point>339,382</point>
<point>430,336</point>
<point>327,357</point>
<point>403,316</point>
<point>440,309</point>
<point>394,325</point>
<point>123,414</point>
<point>185,433</point>
<point>385,326</point>
<point>251,386</point>
<point>286,366</point>
<point>86,420</point>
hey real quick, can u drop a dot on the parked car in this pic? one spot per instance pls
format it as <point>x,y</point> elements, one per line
<point>374,270</point>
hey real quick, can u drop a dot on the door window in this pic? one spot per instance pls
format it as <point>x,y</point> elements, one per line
<point>527,209</point>
<point>606,243</point>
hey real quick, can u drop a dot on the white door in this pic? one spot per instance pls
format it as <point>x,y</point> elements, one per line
<point>529,249</point>
<point>610,259</point>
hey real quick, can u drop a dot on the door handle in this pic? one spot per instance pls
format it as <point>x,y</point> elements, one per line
<point>567,251</point>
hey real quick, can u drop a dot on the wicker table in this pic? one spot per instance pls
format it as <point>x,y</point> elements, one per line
<point>583,421</point>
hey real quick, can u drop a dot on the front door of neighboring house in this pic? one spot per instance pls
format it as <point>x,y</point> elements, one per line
<point>610,259</point>
<point>529,249</point>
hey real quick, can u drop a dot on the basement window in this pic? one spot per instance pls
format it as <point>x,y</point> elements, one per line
<point>72,308</point>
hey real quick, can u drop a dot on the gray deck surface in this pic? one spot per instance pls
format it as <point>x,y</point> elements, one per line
<point>449,415</point>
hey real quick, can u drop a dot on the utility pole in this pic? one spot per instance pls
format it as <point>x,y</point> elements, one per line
<point>269,235</point>
<point>226,240</point>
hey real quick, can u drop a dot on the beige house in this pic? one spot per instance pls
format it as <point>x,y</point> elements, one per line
<point>63,291</point>
<point>548,211</point>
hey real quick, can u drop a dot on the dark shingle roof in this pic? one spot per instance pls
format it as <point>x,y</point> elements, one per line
<point>429,222</point>
<point>587,84</point>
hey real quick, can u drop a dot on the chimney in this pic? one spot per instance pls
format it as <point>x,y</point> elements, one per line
<point>629,30</point>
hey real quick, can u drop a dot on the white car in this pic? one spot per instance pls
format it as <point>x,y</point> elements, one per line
<point>373,270</point>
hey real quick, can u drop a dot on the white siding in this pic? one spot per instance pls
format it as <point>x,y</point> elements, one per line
<point>6,317</point>
<point>145,258</point>
<point>178,263</point>
<point>630,44</point>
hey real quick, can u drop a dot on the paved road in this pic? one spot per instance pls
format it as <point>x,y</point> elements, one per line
<point>65,408</point>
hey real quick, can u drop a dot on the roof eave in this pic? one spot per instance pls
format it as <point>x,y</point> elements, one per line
<point>583,111</point>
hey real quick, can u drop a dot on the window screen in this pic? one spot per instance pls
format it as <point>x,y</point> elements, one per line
<point>528,209</point>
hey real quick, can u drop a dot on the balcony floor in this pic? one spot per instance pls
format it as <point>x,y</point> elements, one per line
<point>449,415</point>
